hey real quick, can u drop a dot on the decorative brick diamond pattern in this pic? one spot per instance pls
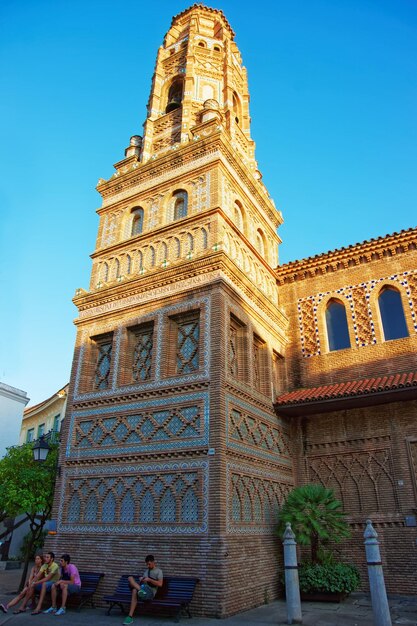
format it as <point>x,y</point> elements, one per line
<point>143,427</point>
<point>252,431</point>
<point>310,343</point>
<point>363,324</point>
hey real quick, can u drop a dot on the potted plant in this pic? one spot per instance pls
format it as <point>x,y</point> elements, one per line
<point>317,518</point>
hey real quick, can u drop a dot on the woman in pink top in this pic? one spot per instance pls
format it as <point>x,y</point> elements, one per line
<point>69,583</point>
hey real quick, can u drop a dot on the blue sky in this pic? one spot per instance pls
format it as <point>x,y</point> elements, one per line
<point>333,103</point>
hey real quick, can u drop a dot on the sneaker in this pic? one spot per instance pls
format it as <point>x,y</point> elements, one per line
<point>60,611</point>
<point>128,620</point>
<point>52,609</point>
<point>3,608</point>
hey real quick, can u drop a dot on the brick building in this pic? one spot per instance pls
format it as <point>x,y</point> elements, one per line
<point>184,430</point>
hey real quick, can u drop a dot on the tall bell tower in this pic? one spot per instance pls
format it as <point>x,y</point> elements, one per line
<point>172,445</point>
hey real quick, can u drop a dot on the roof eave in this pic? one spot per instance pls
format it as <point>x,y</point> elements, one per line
<point>348,402</point>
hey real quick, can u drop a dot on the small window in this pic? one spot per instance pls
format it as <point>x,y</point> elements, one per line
<point>216,49</point>
<point>238,215</point>
<point>337,326</point>
<point>174,96</point>
<point>188,340</point>
<point>260,242</point>
<point>201,44</point>
<point>137,221</point>
<point>180,204</point>
<point>102,368</point>
<point>259,366</point>
<point>56,423</point>
<point>236,109</point>
<point>142,344</point>
<point>30,435</point>
<point>41,430</point>
<point>183,344</point>
<point>392,314</point>
<point>237,349</point>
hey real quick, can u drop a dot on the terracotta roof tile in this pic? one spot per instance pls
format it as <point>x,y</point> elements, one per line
<point>349,389</point>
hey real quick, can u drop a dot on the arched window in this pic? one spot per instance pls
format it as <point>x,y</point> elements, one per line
<point>236,109</point>
<point>116,268</point>
<point>392,313</point>
<point>128,264</point>
<point>105,272</point>
<point>337,327</point>
<point>137,221</point>
<point>260,243</point>
<point>174,95</point>
<point>238,215</point>
<point>180,204</point>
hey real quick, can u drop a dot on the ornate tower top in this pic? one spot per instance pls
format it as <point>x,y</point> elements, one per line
<point>198,76</point>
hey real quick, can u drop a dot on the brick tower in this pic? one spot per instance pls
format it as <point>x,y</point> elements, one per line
<point>171,443</point>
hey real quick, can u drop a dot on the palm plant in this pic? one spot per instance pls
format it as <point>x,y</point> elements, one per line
<point>315,516</point>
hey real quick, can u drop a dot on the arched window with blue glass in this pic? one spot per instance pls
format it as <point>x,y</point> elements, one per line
<point>180,204</point>
<point>137,221</point>
<point>394,325</point>
<point>337,326</point>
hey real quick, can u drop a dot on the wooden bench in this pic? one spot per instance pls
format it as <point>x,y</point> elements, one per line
<point>172,598</point>
<point>89,584</point>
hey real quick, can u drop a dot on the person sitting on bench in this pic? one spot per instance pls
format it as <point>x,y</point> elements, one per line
<point>48,575</point>
<point>68,583</point>
<point>26,592</point>
<point>146,587</point>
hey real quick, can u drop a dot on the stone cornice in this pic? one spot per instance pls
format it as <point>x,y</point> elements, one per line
<point>147,175</point>
<point>342,258</point>
<point>196,274</point>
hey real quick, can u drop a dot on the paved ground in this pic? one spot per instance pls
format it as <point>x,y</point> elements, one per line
<point>356,611</point>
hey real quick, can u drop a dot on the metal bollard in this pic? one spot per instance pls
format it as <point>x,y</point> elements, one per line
<point>292,585</point>
<point>379,599</point>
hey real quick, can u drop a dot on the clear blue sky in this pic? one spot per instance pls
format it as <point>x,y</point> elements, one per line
<point>333,103</point>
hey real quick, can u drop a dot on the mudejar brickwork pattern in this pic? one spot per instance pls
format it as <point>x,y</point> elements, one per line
<point>207,379</point>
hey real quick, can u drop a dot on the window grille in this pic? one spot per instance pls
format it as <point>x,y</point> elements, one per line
<point>233,364</point>
<point>188,345</point>
<point>102,370</point>
<point>142,355</point>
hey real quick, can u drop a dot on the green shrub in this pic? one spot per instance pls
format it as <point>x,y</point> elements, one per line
<point>316,518</point>
<point>335,577</point>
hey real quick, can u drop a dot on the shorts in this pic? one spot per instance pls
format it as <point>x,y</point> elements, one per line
<point>48,585</point>
<point>145,592</point>
<point>73,588</point>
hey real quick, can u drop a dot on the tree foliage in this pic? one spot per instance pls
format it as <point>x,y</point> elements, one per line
<point>27,487</point>
<point>316,517</point>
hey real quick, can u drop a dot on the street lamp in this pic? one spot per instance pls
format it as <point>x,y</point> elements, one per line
<point>40,449</point>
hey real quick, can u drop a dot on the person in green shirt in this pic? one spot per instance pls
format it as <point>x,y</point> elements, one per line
<point>48,576</point>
